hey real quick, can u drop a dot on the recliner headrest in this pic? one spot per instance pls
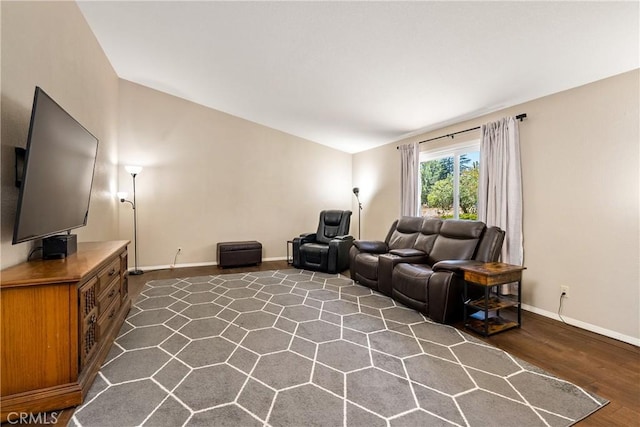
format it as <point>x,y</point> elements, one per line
<point>431,226</point>
<point>409,224</point>
<point>462,229</point>
<point>333,217</point>
<point>332,223</point>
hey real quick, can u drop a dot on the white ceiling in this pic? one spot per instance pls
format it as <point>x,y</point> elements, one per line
<point>355,75</point>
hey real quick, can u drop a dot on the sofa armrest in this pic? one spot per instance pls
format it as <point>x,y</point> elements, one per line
<point>454,265</point>
<point>371,246</point>
<point>299,241</point>
<point>338,256</point>
<point>445,296</point>
<point>343,238</point>
<point>307,238</point>
<point>386,264</point>
<point>407,252</point>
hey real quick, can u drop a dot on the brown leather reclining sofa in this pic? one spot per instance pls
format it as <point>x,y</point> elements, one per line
<point>419,262</point>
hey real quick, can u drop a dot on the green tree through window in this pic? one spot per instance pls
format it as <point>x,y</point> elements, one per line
<point>469,191</point>
<point>440,196</point>
<point>449,184</point>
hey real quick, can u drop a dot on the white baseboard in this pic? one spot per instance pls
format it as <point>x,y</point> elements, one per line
<point>584,325</point>
<point>277,258</point>
<point>195,264</point>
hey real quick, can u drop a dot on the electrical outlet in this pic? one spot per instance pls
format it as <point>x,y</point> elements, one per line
<point>564,290</point>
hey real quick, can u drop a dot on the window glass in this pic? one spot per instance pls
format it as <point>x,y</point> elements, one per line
<point>449,182</point>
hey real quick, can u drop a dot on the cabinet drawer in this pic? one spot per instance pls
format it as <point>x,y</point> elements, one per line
<point>108,295</point>
<point>110,313</point>
<point>107,274</point>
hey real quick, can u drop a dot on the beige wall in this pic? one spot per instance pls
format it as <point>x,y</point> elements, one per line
<point>49,44</point>
<point>580,162</point>
<point>210,177</point>
<point>377,173</point>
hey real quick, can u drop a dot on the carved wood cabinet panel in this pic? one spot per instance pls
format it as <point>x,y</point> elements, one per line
<point>88,320</point>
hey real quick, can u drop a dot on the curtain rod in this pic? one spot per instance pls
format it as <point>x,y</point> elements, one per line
<point>520,117</point>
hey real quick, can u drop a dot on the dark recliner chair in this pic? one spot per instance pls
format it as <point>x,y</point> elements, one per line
<point>327,249</point>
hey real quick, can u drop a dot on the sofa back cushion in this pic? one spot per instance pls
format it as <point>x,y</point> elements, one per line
<point>457,239</point>
<point>428,233</point>
<point>390,232</point>
<point>490,245</point>
<point>406,232</point>
<point>332,223</point>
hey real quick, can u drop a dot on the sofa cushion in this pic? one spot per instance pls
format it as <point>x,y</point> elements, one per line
<point>490,245</point>
<point>458,239</point>
<point>374,247</point>
<point>314,252</point>
<point>405,233</point>
<point>411,280</point>
<point>428,233</point>
<point>367,265</point>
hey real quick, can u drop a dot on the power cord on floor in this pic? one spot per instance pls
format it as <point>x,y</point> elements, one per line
<point>562,295</point>
<point>175,258</point>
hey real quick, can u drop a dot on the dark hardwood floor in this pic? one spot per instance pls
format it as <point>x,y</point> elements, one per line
<point>601,365</point>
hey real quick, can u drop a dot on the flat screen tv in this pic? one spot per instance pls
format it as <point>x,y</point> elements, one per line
<point>58,171</point>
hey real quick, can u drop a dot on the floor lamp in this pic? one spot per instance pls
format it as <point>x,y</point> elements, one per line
<point>133,170</point>
<point>356,191</point>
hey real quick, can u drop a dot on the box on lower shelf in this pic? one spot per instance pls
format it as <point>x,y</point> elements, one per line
<point>479,315</point>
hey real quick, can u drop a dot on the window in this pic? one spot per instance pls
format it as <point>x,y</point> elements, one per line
<point>449,181</point>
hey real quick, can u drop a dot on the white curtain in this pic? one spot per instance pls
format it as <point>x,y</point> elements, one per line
<point>409,168</point>
<point>500,187</point>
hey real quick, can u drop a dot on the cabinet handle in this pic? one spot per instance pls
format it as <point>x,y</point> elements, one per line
<point>112,272</point>
<point>112,313</point>
<point>112,293</point>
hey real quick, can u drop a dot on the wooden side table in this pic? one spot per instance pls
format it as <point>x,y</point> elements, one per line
<point>482,315</point>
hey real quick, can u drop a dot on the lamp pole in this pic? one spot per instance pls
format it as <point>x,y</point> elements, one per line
<point>356,191</point>
<point>135,271</point>
<point>134,170</point>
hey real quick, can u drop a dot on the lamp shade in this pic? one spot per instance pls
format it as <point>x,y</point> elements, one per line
<point>133,170</point>
<point>122,194</point>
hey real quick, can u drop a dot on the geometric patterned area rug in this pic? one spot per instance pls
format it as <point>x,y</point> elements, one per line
<point>300,348</point>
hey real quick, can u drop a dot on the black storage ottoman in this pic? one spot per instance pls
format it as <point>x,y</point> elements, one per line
<point>233,254</point>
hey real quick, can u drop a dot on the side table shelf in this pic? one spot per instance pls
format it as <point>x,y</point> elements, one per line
<point>482,315</point>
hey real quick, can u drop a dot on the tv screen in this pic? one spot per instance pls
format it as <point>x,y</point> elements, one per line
<point>58,173</point>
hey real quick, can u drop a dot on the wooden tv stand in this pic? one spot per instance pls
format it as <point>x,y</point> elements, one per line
<point>58,321</point>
